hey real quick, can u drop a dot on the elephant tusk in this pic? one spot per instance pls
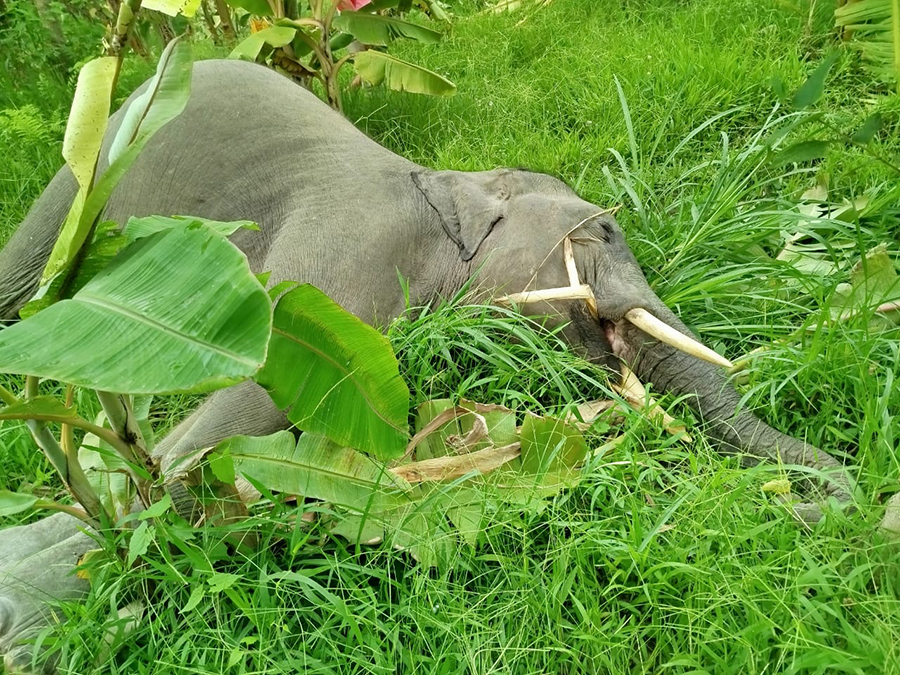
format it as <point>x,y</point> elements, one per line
<point>572,271</point>
<point>665,333</point>
<point>582,292</point>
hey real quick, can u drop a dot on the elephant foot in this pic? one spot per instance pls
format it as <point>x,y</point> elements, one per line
<point>37,564</point>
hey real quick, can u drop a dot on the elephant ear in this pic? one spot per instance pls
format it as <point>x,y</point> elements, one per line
<point>469,204</point>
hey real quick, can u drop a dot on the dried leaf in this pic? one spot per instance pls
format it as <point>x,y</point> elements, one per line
<point>873,283</point>
<point>634,393</point>
<point>453,428</point>
<point>456,466</point>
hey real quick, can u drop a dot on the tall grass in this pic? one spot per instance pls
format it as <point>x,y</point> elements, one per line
<point>668,557</point>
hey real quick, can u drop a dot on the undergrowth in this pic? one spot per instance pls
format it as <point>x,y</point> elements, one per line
<point>668,557</point>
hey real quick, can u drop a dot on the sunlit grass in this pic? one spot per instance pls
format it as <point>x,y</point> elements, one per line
<point>668,557</point>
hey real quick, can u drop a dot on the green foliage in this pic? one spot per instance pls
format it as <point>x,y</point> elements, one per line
<point>873,282</point>
<point>28,125</point>
<point>164,100</point>
<point>137,228</point>
<point>664,557</point>
<point>140,327</point>
<point>342,377</point>
<point>37,407</point>
<point>550,445</point>
<point>811,91</point>
<point>313,467</point>
<point>377,30</point>
<point>378,68</point>
<point>312,41</point>
<point>500,423</point>
<point>15,502</point>
<point>875,28</point>
<point>274,36</point>
<point>32,54</point>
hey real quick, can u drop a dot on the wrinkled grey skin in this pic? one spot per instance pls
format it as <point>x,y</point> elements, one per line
<point>340,211</point>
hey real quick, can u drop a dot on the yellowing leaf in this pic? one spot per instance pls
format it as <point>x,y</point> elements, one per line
<point>81,148</point>
<point>172,7</point>
<point>456,466</point>
<point>377,67</point>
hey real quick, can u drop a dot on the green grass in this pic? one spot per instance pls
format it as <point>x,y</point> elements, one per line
<point>668,557</point>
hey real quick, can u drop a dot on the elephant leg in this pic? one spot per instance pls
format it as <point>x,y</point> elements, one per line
<point>245,409</point>
<point>37,560</point>
<point>37,565</point>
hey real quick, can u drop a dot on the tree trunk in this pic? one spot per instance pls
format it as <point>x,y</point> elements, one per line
<point>225,19</point>
<point>210,24</point>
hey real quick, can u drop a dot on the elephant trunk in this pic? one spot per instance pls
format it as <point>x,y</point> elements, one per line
<point>23,259</point>
<point>733,427</point>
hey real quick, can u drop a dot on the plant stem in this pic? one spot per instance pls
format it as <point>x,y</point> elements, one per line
<point>7,396</point>
<point>121,418</point>
<point>70,471</point>
<point>305,22</point>
<point>128,10</point>
<point>67,433</point>
<point>846,138</point>
<point>133,446</point>
<point>65,508</point>
<point>329,17</point>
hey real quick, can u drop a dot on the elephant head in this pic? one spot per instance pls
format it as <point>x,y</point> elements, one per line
<point>510,227</point>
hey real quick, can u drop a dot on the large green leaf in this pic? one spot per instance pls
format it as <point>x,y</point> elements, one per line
<point>274,36</point>
<point>875,26</point>
<point>47,408</point>
<point>257,7</point>
<point>812,89</point>
<point>12,503</point>
<point>376,67</point>
<point>164,100</point>
<point>136,228</point>
<point>177,311</point>
<point>315,468</point>
<point>81,147</point>
<point>106,245</point>
<point>550,445</point>
<point>372,29</point>
<point>338,376</point>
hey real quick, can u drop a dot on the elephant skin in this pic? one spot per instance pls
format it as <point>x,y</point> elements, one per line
<point>340,211</point>
<point>37,564</point>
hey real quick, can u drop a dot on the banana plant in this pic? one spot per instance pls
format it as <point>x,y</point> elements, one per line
<point>313,40</point>
<point>874,27</point>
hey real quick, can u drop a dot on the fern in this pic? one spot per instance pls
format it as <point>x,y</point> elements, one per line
<point>875,27</point>
<point>28,124</point>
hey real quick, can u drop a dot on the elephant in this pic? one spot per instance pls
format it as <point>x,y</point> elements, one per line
<point>338,210</point>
